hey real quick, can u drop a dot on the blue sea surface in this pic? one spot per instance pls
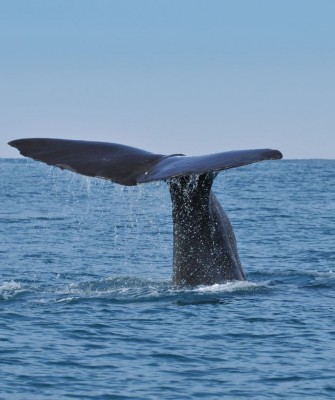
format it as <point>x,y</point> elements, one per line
<point>88,310</point>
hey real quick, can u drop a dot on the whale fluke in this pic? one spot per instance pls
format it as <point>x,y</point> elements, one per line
<point>128,165</point>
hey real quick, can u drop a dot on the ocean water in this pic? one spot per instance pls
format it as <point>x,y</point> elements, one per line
<point>88,310</point>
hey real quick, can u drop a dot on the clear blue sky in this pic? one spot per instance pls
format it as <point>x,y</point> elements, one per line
<point>170,76</point>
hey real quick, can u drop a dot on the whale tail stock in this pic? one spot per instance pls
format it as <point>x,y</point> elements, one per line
<point>128,165</point>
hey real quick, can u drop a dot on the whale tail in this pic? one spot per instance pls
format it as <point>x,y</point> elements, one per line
<point>205,250</point>
<point>131,166</point>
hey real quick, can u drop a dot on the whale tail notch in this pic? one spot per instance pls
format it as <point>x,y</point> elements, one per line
<point>128,165</point>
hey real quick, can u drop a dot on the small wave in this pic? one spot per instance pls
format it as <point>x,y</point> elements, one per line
<point>117,289</point>
<point>301,279</point>
<point>307,273</point>
<point>10,289</point>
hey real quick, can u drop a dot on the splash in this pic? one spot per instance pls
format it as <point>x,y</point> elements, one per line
<point>10,289</point>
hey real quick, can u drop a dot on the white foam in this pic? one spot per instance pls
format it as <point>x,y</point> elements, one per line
<point>9,289</point>
<point>228,287</point>
<point>66,299</point>
<point>11,285</point>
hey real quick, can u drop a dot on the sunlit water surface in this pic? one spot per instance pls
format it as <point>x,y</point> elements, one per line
<point>88,309</point>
